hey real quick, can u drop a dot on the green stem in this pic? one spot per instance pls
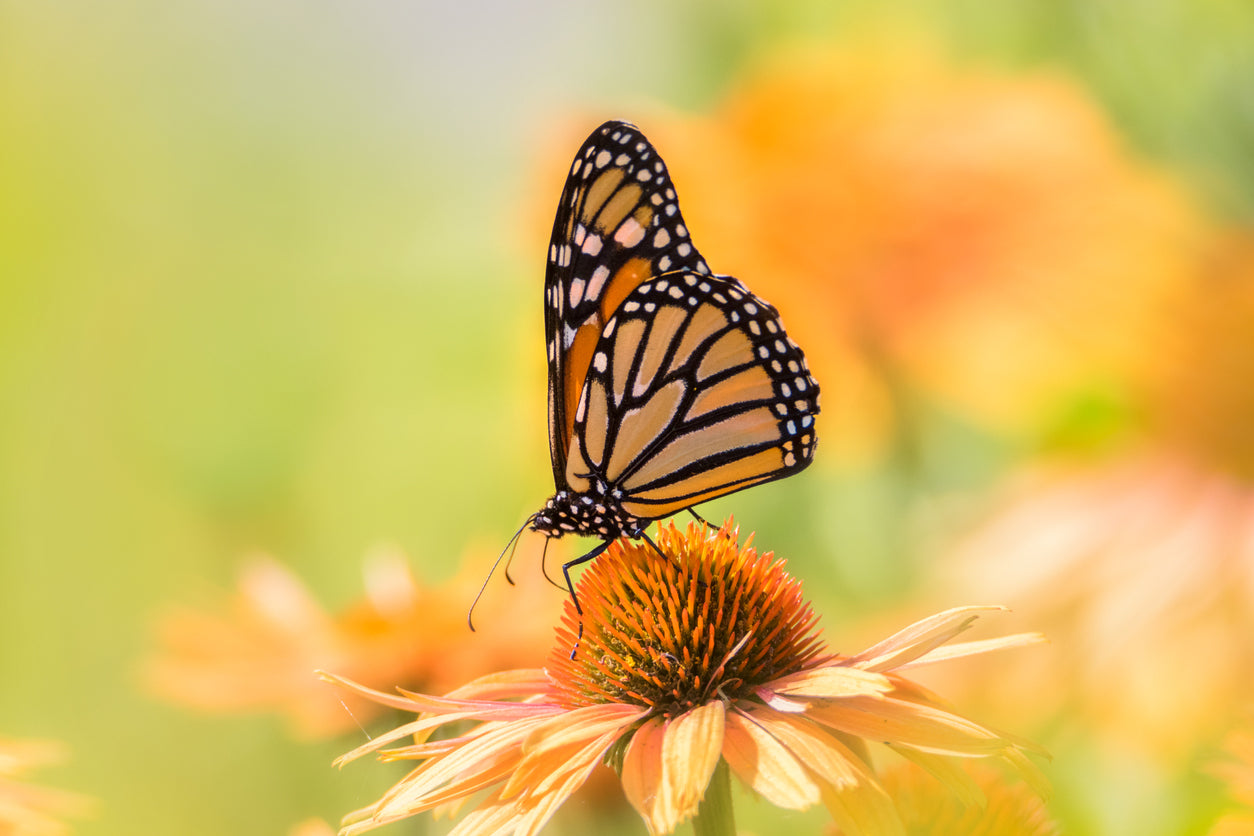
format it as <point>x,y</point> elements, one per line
<point>714,816</point>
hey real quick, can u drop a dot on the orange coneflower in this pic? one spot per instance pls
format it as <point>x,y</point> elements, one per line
<point>27,809</point>
<point>261,654</point>
<point>711,657</point>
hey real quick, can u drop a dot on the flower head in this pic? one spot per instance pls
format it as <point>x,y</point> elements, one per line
<point>709,655</point>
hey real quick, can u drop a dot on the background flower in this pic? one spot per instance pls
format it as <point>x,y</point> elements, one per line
<point>263,655</point>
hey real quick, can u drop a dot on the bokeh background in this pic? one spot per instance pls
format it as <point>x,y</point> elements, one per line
<point>270,283</point>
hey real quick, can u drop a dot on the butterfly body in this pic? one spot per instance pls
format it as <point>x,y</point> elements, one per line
<point>669,385</point>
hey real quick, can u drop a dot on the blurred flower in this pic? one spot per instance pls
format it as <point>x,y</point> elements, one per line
<point>712,655</point>
<point>262,655</point>
<point>312,827</point>
<point>1141,566</point>
<point>1237,772</point>
<point>970,236</point>
<point>27,809</point>
<point>994,807</point>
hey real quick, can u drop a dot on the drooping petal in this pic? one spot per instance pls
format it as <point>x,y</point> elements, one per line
<point>766,765</point>
<point>642,769</point>
<point>919,638</point>
<point>949,652</point>
<point>563,738</point>
<point>923,726</point>
<point>691,748</point>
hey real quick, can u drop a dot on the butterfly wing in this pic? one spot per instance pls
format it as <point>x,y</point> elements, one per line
<point>694,391</point>
<point>618,224</point>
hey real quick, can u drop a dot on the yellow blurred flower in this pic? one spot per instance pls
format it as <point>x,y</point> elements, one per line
<point>976,237</point>
<point>712,656</point>
<point>261,656</point>
<point>994,807</point>
<point>28,809</point>
<point>1237,772</point>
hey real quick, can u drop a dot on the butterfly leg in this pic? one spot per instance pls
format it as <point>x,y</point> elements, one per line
<point>647,539</point>
<point>700,518</point>
<point>570,587</point>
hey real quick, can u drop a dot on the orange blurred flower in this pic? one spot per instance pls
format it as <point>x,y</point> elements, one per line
<point>1141,566</point>
<point>30,810</point>
<point>963,235</point>
<point>261,656</point>
<point>710,656</point>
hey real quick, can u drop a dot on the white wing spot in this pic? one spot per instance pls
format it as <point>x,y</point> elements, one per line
<point>754,329</point>
<point>576,292</point>
<point>597,282</point>
<point>601,362</point>
<point>630,233</point>
<point>603,159</point>
<point>592,244</point>
<point>568,337</point>
<point>661,239</point>
<point>684,248</point>
<point>676,292</point>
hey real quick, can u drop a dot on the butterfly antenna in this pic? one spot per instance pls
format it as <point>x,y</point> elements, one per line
<point>570,587</point>
<point>509,547</point>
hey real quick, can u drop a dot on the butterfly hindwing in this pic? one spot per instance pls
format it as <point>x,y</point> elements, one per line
<point>618,224</point>
<point>694,391</point>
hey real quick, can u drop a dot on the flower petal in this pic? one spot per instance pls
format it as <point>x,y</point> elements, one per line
<point>919,638</point>
<point>832,681</point>
<point>922,726</point>
<point>642,768</point>
<point>766,765</point>
<point>957,651</point>
<point>691,749</point>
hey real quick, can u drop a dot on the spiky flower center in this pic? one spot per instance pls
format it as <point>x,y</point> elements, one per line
<point>710,621</point>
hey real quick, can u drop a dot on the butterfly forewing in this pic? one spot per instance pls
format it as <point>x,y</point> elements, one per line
<point>694,391</point>
<point>618,224</point>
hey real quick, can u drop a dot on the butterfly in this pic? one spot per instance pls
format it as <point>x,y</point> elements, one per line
<point>668,385</point>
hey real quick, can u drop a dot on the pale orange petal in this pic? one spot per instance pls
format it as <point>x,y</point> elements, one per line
<point>821,752</point>
<point>919,638</point>
<point>491,817</point>
<point>642,768</point>
<point>832,681</point>
<point>691,749</point>
<point>898,721</point>
<point>766,766</point>
<point>957,651</point>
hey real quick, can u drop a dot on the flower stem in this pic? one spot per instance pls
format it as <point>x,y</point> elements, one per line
<point>714,816</point>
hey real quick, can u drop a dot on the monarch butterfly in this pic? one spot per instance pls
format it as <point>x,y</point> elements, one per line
<point>668,385</point>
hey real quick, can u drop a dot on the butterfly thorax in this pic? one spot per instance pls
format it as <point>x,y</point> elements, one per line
<point>569,512</point>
